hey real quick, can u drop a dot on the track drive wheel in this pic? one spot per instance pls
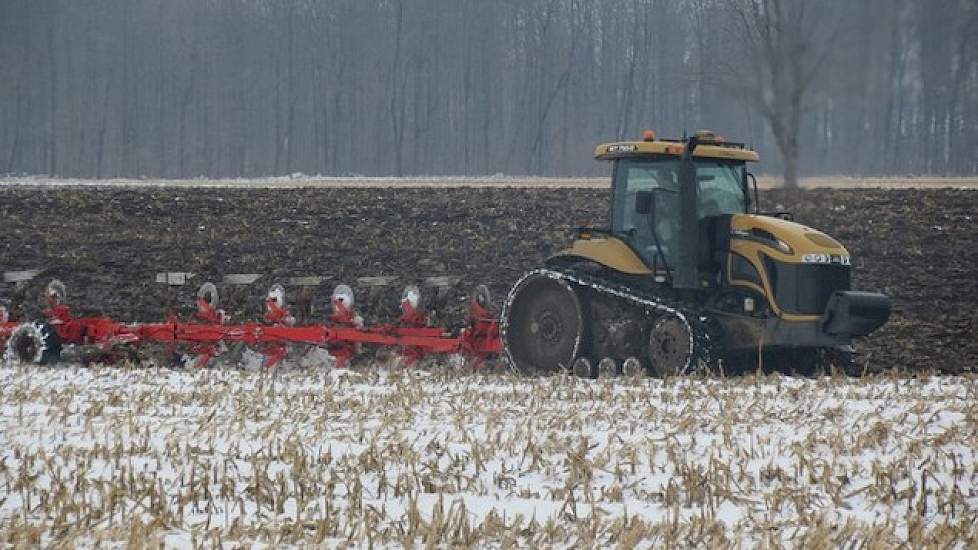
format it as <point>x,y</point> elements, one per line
<point>544,326</point>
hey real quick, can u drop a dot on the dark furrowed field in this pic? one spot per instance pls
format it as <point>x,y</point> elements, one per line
<point>916,246</point>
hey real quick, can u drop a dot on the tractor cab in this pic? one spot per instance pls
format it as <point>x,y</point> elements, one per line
<point>667,195</point>
<point>646,206</point>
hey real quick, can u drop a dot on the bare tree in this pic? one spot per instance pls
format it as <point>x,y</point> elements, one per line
<point>786,44</point>
<point>238,88</point>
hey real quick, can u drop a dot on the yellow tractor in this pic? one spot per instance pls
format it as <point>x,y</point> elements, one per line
<point>689,276</point>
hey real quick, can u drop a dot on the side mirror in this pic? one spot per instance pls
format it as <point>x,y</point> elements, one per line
<point>644,202</point>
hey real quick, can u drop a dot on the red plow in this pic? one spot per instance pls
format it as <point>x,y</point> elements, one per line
<point>208,334</point>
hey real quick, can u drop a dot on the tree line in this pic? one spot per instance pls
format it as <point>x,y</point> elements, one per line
<point>243,88</point>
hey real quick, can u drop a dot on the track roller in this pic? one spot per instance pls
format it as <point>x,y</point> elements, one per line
<point>583,368</point>
<point>607,368</point>
<point>632,368</point>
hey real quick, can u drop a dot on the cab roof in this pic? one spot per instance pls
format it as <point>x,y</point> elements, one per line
<point>710,146</point>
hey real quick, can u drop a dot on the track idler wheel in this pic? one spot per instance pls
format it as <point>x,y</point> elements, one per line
<point>34,343</point>
<point>671,347</point>
<point>543,326</point>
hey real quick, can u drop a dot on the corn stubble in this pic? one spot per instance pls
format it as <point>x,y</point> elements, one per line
<point>143,457</point>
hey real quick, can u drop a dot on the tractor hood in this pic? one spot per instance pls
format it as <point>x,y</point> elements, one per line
<point>788,241</point>
<point>804,273</point>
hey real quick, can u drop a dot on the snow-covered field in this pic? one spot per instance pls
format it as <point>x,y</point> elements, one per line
<point>441,458</point>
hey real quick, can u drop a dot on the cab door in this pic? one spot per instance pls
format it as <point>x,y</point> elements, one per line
<point>662,224</point>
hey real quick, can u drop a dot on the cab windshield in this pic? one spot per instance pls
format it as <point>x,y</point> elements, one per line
<point>720,190</point>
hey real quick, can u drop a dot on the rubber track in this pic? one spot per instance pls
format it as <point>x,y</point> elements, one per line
<point>696,321</point>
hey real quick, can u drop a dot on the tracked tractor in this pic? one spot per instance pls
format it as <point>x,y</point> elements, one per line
<point>688,276</point>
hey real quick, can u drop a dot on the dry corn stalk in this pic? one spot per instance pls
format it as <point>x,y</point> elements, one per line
<point>143,457</point>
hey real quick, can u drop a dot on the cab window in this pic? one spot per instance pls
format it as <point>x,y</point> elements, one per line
<point>720,188</point>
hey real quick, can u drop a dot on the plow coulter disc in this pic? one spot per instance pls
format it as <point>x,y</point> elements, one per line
<point>344,294</point>
<point>411,296</point>
<point>482,296</point>
<point>543,326</point>
<point>57,291</point>
<point>277,293</point>
<point>208,293</point>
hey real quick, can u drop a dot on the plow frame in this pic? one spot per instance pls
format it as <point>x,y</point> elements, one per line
<point>342,336</point>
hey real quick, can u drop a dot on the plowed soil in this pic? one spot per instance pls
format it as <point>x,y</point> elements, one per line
<point>918,246</point>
